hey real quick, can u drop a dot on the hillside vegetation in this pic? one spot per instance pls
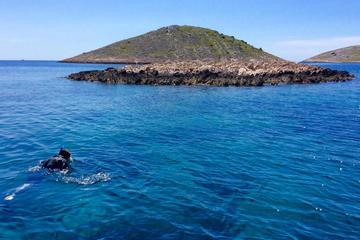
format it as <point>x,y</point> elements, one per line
<point>348,54</point>
<point>174,43</point>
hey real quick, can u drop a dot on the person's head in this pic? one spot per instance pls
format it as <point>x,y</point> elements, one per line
<point>65,153</point>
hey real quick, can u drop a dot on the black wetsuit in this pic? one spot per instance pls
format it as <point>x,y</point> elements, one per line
<point>60,161</point>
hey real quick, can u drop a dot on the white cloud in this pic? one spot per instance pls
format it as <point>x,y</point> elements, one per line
<point>300,49</point>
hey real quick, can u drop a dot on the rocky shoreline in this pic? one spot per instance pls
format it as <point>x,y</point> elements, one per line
<point>215,73</point>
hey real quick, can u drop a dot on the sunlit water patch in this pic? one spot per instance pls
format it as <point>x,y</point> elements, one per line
<point>154,162</point>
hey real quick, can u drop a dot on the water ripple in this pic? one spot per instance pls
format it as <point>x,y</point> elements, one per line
<point>177,162</point>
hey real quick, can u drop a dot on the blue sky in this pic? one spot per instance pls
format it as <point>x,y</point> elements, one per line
<point>292,29</point>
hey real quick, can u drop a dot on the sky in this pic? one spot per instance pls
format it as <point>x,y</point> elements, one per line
<point>291,29</point>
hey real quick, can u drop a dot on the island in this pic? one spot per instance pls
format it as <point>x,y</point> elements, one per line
<point>215,73</point>
<point>174,43</point>
<point>347,54</point>
<point>187,55</point>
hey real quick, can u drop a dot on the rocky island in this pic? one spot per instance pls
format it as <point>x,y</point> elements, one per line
<point>174,43</point>
<point>187,55</point>
<point>215,73</point>
<point>347,54</point>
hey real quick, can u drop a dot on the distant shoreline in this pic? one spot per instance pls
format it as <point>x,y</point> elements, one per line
<point>104,62</point>
<point>328,62</point>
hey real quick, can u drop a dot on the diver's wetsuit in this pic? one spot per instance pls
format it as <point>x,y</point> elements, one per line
<point>60,161</point>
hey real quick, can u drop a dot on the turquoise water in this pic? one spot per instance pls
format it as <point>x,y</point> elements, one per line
<point>167,162</point>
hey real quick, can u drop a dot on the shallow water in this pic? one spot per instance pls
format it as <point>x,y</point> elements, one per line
<point>178,162</point>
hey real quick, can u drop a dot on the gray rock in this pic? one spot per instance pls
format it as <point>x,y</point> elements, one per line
<point>216,73</point>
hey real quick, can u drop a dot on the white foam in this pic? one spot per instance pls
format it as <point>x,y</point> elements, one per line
<point>87,180</point>
<point>9,197</point>
<point>22,187</point>
<point>18,189</point>
<point>34,169</point>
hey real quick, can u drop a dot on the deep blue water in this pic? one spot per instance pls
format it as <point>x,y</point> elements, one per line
<point>167,162</point>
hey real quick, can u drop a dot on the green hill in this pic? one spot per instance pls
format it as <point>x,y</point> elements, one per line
<point>174,43</point>
<point>348,54</point>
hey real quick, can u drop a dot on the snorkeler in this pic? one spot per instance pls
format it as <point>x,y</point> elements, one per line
<point>61,161</point>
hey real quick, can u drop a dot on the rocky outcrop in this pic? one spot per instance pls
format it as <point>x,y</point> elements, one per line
<point>216,73</point>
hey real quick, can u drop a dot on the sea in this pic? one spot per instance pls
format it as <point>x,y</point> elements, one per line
<point>177,162</point>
